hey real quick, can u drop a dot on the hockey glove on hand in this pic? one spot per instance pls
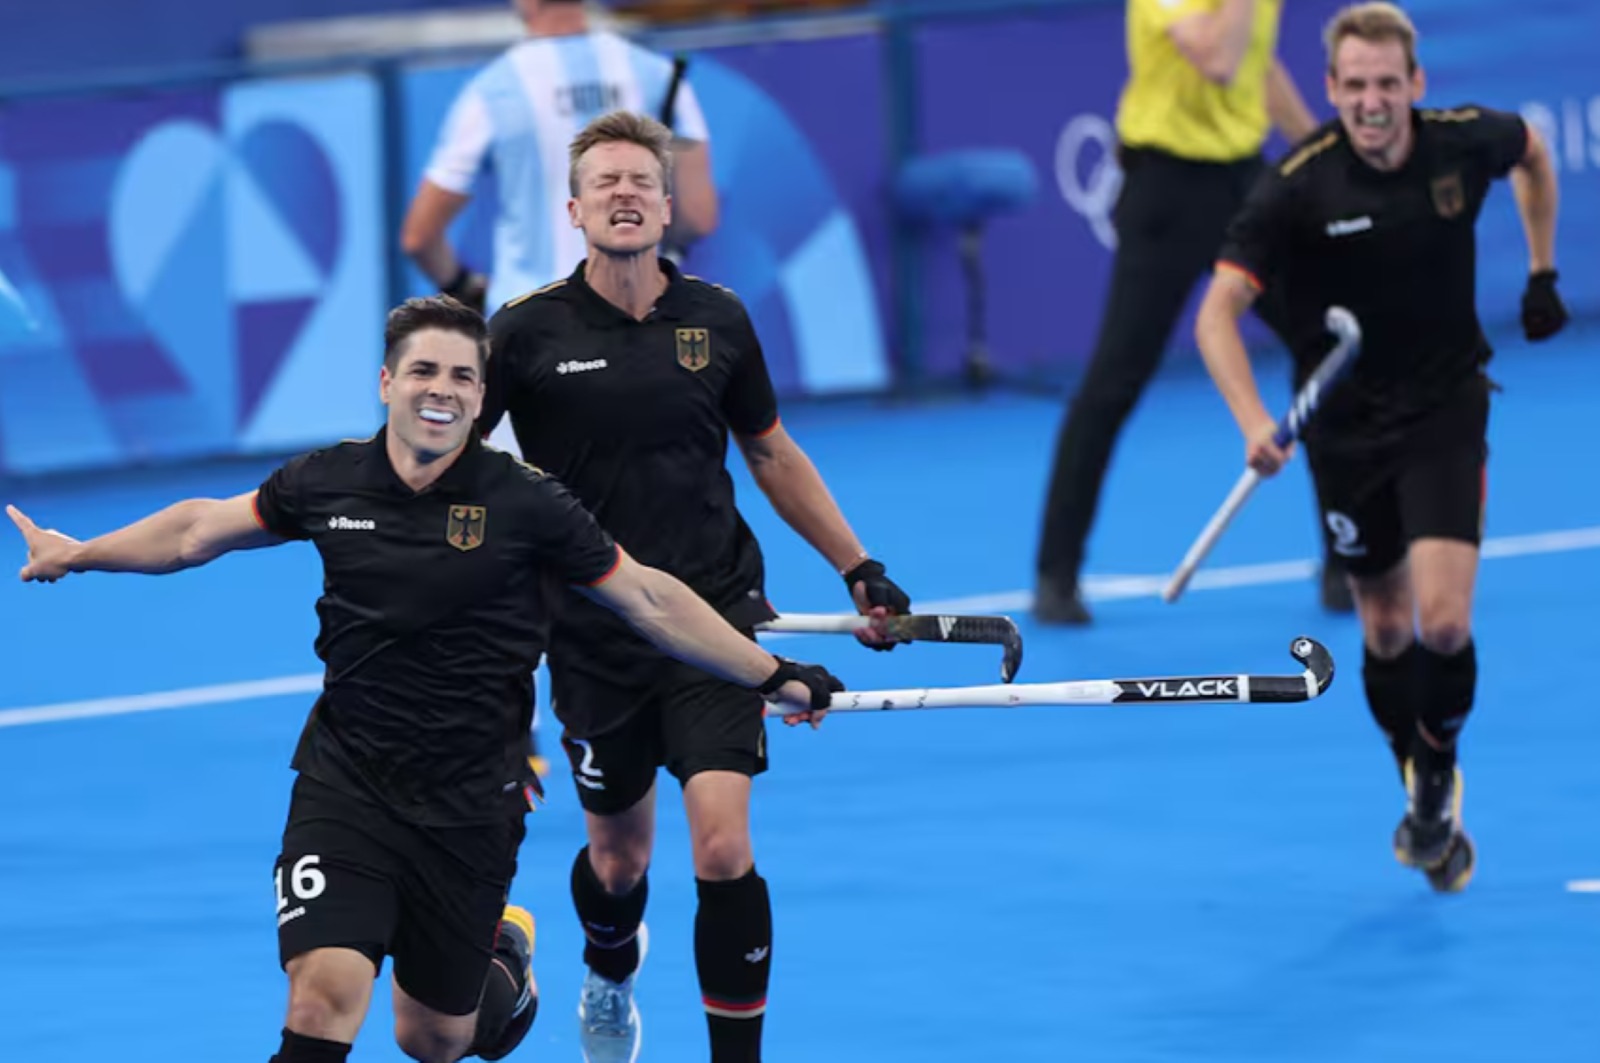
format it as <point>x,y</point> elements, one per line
<point>1543,314</point>
<point>817,679</point>
<point>878,592</point>
<point>468,288</point>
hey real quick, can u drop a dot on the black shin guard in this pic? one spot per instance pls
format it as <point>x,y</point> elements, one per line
<point>610,922</point>
<point>1394,692</point>
<point>298,1048</point>
<point>507,1008</point>
<point>733,954</point>
<point>1447,685</point>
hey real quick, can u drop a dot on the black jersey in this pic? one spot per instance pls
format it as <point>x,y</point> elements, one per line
<point>1398,249</point>
<point>633,416</point>
<point>433,615</point>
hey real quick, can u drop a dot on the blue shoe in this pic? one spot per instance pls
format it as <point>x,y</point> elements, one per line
<point>608,1018</point>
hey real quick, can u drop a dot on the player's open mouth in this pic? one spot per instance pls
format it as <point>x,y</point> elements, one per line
<point>627,217</point>
<point>1375,120</point>
<point>434,415</point>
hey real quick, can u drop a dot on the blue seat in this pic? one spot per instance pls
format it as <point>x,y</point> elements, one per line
<point>963,190</point>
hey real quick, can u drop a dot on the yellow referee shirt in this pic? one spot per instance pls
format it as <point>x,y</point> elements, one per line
<point>1169,105</point>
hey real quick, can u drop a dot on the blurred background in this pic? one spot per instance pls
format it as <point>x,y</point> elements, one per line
<point>199,203</point>
<point>199,214</point>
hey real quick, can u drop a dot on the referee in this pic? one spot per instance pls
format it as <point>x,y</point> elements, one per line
<point>1204,86</point>
<point>406,814</point>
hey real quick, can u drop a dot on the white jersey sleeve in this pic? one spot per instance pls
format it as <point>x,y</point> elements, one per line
<point>463,142</point>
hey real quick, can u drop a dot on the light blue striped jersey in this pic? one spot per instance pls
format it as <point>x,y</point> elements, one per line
<point>519,114</point>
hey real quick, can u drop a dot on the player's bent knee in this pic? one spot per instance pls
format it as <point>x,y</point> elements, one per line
<point>328,993</point>
<point>1445,617</point>
<point>1446,633</point>
<point>435,1042</point>
<point>1388,630</point>
<point>619,868</point>
<point>722,854</point>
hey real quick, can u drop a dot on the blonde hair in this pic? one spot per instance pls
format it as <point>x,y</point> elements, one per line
<point>1372,22</point>
<point>623,127</point>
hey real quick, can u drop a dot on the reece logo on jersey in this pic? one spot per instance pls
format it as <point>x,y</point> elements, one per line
<point>576,366</point>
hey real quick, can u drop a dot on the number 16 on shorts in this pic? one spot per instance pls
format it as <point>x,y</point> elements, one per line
<point>304,882</point>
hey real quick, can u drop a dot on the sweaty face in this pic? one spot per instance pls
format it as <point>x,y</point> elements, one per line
<point>1374,92</point>
<point>435,392</point>
<point>622,204</point>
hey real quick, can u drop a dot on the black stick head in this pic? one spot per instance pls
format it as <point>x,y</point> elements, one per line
<point>1316,658</point>
<point>1011,662</point>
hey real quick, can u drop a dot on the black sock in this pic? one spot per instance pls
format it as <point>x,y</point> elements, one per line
<point>733,953</point>
<point>508,1006</point>
<point>297,1048</point>
<point>1447,684</point>
<point>610,922</point>
<point>1393,695</point>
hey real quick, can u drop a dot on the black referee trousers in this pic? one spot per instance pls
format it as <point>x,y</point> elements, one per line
<point>1170,219</point>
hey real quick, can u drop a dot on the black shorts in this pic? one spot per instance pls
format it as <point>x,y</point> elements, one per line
<point>352,875</point>
<point>1430,485</point>
<point>686,721</point>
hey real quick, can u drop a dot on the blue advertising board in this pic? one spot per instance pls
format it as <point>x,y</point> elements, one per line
<point>201,272</point>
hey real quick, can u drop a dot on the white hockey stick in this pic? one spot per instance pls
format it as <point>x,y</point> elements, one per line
<point>1344,326</point>
<point>1192,689</point>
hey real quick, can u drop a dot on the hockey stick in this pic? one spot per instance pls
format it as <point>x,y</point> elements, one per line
<point>995,630</point>
<point>668,117</point>
<point>669,105</point>
<point>1347,331</point>
<point>1191,689</point>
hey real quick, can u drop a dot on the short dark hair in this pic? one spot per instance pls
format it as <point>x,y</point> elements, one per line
<point>440,312</point>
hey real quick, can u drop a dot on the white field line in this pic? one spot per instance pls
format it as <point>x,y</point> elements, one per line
<point>1096,588</point>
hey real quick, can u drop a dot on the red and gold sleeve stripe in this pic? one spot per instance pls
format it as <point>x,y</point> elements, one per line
<point>255,511</point>
<point>1242,271</point>
<point>616,563</point>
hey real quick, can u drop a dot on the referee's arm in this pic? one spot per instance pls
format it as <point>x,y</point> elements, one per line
<point>1286,107</point>
<point>1215,42</point>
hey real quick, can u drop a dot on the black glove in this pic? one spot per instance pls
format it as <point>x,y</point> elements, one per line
<point>1543,314</point>
<point>822,684</point>
<point>469,288</point>
<point>881,590</point>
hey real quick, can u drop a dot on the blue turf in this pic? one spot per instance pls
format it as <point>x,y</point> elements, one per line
<point>1207,884</point>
